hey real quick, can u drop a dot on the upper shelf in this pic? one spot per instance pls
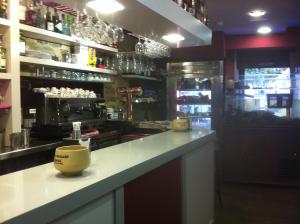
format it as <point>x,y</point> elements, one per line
<point>64,65</point>
<point>5,76</point>
<point>4,22</point>
<point>41,34</point>
<point>152,18</point>
<point>134,76</point>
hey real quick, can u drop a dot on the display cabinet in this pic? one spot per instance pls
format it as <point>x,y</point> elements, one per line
<point>196,104</point>
<point>275,90</point>
<point>10,121</point>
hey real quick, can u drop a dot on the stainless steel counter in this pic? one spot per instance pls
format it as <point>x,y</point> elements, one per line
<point>8,153</point>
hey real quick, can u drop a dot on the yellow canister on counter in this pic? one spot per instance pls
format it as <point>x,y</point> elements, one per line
<point>72,159</point>
<point>181,124</point>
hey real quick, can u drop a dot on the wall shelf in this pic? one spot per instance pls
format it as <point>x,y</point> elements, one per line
<point>5,106</point>
<point>194,104</point>
<point>199,116</point>
<point>134,76</point>
<point>4,22</point>
<point>64,65</point>
<point>65,80</point>
<point>5,76</point>
<point>41,34</point>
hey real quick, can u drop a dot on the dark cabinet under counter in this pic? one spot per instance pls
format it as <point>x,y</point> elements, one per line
<point>263,154</point>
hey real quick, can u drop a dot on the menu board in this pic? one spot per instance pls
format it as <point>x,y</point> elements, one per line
<point>279,100</point>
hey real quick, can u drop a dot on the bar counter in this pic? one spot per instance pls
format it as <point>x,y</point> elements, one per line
<point>41,194</point>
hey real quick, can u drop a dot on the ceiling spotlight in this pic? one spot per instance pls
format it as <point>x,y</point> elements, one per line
<point>173,37</point>
<point>264,30</point>
<point>257,13</point>
<point>105,6</point>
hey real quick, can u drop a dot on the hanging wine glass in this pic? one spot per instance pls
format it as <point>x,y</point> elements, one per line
<point>119,34</point>
<point>139,47</point>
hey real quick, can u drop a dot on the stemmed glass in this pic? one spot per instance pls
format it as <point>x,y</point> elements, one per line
<point>139,47</point>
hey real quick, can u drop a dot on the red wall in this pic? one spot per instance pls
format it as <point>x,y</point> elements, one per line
<point>216,51</point>
<point>279,40</point>
<point>288,40</point>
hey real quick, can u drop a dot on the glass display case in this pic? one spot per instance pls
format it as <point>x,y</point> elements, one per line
<point>196,104</point>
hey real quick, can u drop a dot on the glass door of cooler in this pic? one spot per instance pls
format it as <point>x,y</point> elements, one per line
<point>196,104</point>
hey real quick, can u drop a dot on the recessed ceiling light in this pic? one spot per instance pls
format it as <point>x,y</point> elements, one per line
<point>264,30</point>
<point>257,13</point>
<point>173,37</point>
<point>105,6</point>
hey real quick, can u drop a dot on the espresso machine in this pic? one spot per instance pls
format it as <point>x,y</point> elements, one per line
<point>54,115</point>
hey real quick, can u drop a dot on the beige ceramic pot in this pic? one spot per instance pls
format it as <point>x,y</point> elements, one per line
<point>181,124</point>
<point>72,160</point>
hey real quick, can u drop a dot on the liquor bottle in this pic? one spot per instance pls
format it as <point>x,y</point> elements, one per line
<point>3,8</point>
<point>49,22</point>
<point>185,5</point>
<point>31,15</point>
<point>56,22</point>
<point>40,16</point>
<point>2,56</point>
<point>22,11</point>
<point>65,26</point>
<point>70,22</point>
<point>193,7</point>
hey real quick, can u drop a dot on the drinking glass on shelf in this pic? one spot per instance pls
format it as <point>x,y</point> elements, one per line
<point>127,60</point>
<point>64,74</point>
<point>120,62</point>
<point>46,74</point>
<point>107,62</point>
<point>74,59</point>
<point>134,64</point>
<point>83,76</point>
<point>53,74</point>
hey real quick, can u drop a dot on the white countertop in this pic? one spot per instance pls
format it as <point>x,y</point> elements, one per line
<point>27,191</point>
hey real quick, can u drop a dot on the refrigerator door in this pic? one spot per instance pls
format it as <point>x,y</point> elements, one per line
<point>195,89</point>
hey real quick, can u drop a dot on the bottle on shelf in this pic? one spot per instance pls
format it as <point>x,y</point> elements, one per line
<point>193,8</point>
<point>56,22</point>
<point>30,18</point>
<point>2,56</point>
<point>49,23</point>
<point>65,25</point>
<point>22,11</point>
<point>70,20</point>
<point>3,9</point>
<point>40,16</point>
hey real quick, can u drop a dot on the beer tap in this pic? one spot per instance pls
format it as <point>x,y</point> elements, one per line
<point>129,93</point>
